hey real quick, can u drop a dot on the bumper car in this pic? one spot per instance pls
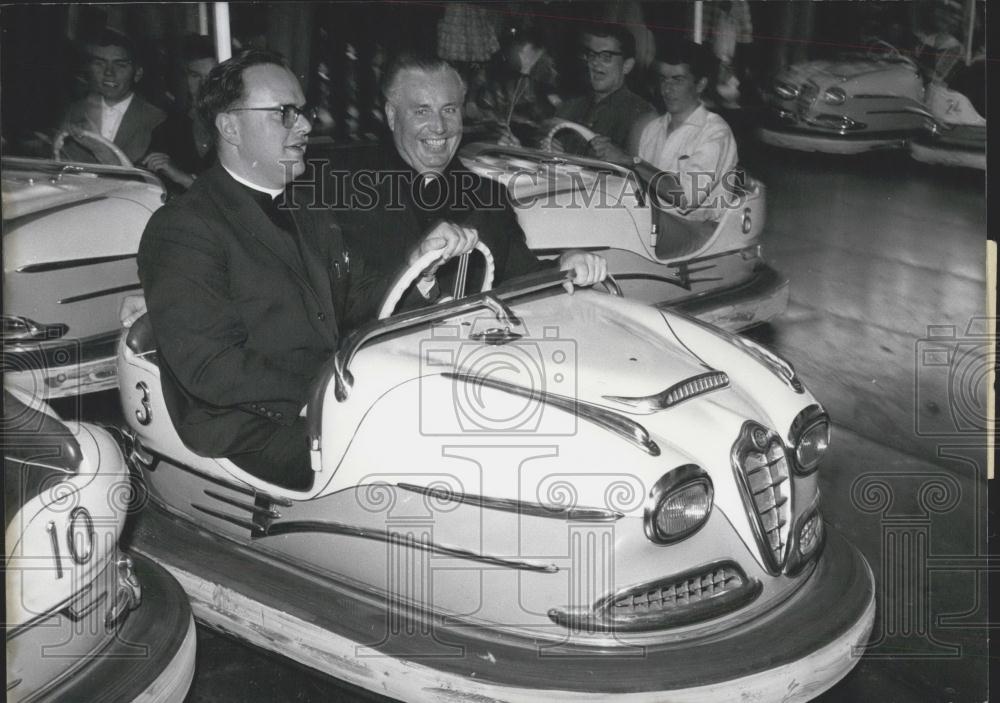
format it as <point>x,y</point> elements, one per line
<point>957,136</point>
<point>874,101</point>
<point>859,102</point>
<point>574,202</point>
<point>70,236</point>
<point>85,620</point>
<point>519,494</point>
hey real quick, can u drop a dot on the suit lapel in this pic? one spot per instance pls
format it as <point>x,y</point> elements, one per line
<point>250,219</point>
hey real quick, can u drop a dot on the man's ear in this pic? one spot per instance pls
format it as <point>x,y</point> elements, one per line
<point>137,76</point>
<point>627,66</point>
<point>228,128</point>
<point>701,85</point>
<point>390,116</point>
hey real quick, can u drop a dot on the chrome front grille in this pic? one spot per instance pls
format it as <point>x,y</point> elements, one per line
<point>762,471</point>
<point>807,97</point>
<point>705,592</point>
<point>679,594</point>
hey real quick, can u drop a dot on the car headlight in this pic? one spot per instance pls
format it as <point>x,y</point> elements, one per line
<point>786,91</point>
<point>678,505</point>
<point>810,435</point>
<point>834,96</point>
<point>21,329</point>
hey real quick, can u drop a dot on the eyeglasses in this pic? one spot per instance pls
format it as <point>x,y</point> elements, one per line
<point>604,57</point>
<point>289,113</point>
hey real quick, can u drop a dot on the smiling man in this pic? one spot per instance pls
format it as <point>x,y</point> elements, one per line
<point>609,108</point>
<point>421,190</point>
<point>248,291</point>
<point>112,108</point>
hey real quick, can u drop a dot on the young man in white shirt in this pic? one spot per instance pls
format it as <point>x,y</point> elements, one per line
<point>112,108</point>
<point>684,153</point>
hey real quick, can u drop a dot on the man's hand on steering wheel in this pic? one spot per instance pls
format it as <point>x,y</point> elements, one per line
<point>450,239</point>
<point>606,150</point>
<point>587,268</point>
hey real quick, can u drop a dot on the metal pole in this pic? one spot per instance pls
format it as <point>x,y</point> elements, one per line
<point>698,18</point>
<point>203,19</point>
<point>970,28</point>
<point>223,40</point>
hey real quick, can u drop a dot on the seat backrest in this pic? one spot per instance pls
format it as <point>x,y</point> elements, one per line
<point>140,338</point>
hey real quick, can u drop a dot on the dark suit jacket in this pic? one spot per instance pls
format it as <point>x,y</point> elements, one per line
<point>243,322</point>
<point>134,132</point>
<point>383,218</point>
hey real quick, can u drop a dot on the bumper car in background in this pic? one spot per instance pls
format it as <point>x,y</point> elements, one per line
<point>70,236</point>
<point>85,621</point>
<point>875,100</point>
<point>574,202</point>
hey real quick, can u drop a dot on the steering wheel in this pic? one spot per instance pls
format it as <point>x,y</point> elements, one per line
<point>881,49</point>
<point>406,278</point>
<point>585,132</point>
<point>57,145</point>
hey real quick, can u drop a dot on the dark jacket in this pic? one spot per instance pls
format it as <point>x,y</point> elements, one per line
<point>134,133</point>
<point>384,215</point>
<point>243,321</point>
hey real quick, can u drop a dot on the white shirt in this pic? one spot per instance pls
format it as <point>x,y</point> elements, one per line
<point>699,150</point>
<point>111,117</point>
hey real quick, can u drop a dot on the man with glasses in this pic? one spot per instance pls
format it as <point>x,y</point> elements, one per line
<point>610,108</point>
<point>685,153</point>
<point>112,108</point>
<point>248,289</point>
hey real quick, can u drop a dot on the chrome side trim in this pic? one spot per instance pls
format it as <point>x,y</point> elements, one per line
<point>251,527</point>
<point>98,294</point>
<point>54,610</point>
<point>556,512</point>
<point>677,393</point>
<point>255,509</point>
<point>624,427</point>
<point>239,488</point>
<point>72,263</point>
<point>336,528</point>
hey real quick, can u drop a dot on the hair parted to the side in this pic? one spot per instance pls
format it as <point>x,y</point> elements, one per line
<point>610,30</point>
<point>110,37</point>
<point>224,87</point>
<point>697,57</point>
<point>409,60</point>
<point>197,46</point>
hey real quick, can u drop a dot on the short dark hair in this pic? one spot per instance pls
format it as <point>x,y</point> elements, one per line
<point>416,61</point>
<point>197,46</point>
<point>609,30</point>
<point>224,87</point>
<point>109,37</point>
<point>696,57</point>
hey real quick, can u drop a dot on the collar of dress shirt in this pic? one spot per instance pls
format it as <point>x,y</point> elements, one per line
<point>696,119</point>
<point>119,107</point>
<point>273,192</point>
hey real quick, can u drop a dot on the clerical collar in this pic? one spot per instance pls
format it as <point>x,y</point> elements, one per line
<point>273,192</point>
